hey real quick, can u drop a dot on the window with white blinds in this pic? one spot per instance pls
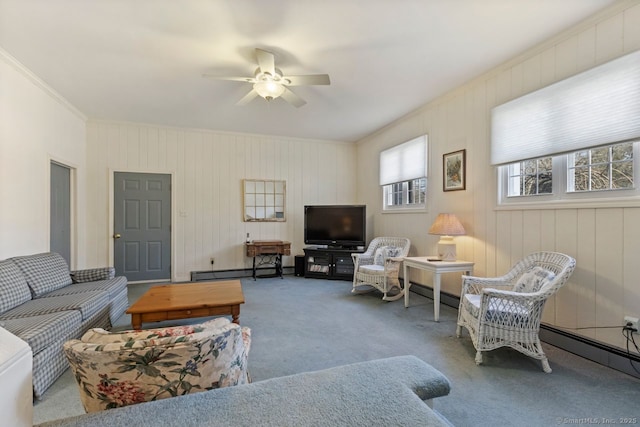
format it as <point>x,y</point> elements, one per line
<point>597,107</point>
<point>403,175</point>
<point>404,162</point>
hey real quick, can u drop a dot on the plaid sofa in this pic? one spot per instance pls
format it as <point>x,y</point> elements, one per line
<point>45,304</point>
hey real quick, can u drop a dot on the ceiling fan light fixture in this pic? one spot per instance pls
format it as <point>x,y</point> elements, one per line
<point>268,89</point>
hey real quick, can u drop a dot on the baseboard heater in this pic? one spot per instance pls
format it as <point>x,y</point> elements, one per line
<point>199,276</point>
<point>595,351</point>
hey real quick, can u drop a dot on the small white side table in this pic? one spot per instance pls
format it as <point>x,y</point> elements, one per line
<point>437,268</point>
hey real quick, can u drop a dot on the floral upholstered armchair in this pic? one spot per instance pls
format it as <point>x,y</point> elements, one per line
<point>120,369</point>
<point>379,266</point>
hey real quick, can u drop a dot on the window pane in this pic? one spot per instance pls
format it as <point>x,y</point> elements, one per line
<point>530,185</point>
<point>514,186</point>
<point>600,155</point>
<point>581,158</point>
<point>531,177</point>
<point>514,169</point>
<point>408,194</point>
<point>545,183</point>
<point>622,151</point>
<point>581,179</point>
<point>529,166</point>
<point>600,177</point>
<point>545,164</point>
<point>622,175</point>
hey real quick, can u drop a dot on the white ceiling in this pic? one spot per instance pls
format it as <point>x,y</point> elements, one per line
<point>143,60</point>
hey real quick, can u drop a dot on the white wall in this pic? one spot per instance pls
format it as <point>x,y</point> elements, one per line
<point>36,126</point>
<point>208,168</point>
<point>605,241</point>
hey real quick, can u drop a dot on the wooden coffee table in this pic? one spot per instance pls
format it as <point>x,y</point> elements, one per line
<point>184,301</point>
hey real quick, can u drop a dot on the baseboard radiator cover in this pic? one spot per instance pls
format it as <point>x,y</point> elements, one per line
<point>200,276</point>
<point>595,351</point>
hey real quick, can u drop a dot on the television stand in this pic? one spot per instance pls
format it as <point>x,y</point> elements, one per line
<point>329,263</point>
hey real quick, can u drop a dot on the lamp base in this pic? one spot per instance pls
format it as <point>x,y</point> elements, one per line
<point>447,248</point>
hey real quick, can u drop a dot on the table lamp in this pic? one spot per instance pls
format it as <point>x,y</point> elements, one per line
<point>446,226</point>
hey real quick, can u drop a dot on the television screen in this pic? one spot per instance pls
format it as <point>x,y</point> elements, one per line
<point>335,225</point>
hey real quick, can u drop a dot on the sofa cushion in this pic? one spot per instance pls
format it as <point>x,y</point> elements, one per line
<point>43,330</point>
<point>14,289</point>
<point>87,303</point>
<point>44,272</point>
<point>112,286</point>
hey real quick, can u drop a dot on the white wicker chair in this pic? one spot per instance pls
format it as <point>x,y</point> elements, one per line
<point>378,267</point>
<point>506,311</point>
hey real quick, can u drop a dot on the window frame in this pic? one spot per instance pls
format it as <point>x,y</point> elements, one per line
<point>560,195</point>
<point>398,166</point>
<point>404,206</point>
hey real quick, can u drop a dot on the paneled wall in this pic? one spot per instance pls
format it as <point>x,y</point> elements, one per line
<point>207,171</point>
<point>604,240</point>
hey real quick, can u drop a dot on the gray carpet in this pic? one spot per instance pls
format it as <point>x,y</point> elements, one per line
<point>302,325</point>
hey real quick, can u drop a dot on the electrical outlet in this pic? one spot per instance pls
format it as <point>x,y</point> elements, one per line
<point>632,322</point>
<point>213,260</point>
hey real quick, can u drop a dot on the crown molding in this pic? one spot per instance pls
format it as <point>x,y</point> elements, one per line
<point>37,81</point>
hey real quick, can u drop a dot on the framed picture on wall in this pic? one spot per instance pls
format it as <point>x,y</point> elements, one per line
<point>454,170</point>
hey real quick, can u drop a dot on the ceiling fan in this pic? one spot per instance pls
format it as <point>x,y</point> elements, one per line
<point>270,83</point>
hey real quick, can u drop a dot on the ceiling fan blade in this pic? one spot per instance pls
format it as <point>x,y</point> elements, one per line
<point>237,79</point>
<point>292,98</point>
<point>266,61</point>
<point>248,98</point>
<point>308,80</point>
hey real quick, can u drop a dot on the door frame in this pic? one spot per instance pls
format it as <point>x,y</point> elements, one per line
<point>73,207</point>
<point>112,173</point>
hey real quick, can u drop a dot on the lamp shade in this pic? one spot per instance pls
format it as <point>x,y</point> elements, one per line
<point>447,224</point>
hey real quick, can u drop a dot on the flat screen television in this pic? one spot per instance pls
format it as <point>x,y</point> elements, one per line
<point>335,225</point>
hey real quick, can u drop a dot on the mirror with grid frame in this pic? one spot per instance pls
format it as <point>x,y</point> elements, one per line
<point>264,200</point>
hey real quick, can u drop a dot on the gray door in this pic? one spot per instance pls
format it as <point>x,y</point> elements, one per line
<point>142,225</point>
<point>60,211</point>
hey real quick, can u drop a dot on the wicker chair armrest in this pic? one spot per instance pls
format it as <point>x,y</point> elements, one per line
<point>520,297</point>
<point>392,264</point>
<point>475,285</point>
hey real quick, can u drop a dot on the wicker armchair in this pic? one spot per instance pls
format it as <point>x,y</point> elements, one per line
<point>378,267</point>
<point>506,311</point>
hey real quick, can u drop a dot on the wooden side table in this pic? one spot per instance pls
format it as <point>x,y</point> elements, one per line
<point>268,252</point>
<point>437,268</point>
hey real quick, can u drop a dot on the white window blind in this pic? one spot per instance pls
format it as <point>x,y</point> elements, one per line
<point>598,106</point>
<point>404,162</point>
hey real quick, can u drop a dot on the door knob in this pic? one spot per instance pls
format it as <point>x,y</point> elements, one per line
<point>117,236</point>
